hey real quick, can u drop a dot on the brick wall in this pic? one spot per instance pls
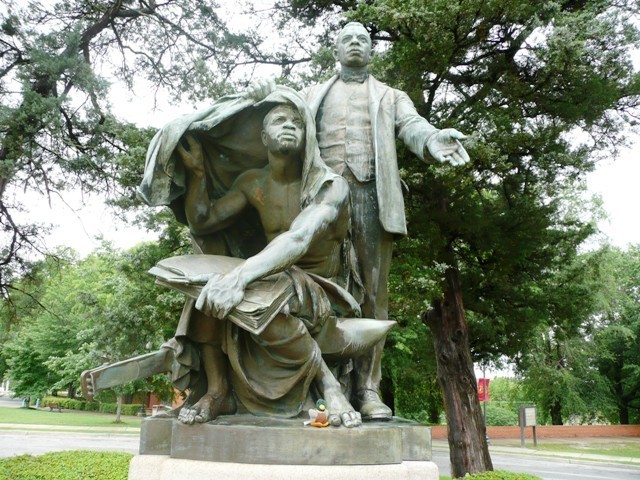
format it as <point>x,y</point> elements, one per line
<point>554,431</point>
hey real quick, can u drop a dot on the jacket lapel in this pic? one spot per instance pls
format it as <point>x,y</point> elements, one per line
<point>377,90</point>
<point>316,100</point>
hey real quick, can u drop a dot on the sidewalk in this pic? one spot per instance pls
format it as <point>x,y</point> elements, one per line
<point>443,445</point>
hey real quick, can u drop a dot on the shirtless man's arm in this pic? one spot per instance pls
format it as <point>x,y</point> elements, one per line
<point>223,292</point>
<point>204,215</point>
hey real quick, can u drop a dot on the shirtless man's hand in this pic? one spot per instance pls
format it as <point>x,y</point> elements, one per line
<point>221,294</point>
<point>192,158</point>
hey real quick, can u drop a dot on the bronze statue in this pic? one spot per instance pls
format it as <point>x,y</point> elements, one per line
<point>312,214</point>
<point>302,210</point>
<point>309,238</point>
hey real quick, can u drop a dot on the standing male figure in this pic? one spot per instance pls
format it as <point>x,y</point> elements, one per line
<point>358,119</point>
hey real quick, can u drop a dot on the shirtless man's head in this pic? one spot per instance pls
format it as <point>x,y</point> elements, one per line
<point>283,131</point>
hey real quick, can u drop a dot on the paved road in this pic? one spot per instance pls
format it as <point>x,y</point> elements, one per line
<point>10,402</point>
<point>549,468</point>
<point>19,442</point>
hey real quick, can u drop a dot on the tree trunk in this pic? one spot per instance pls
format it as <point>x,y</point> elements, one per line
<point>118,409</point>
<point>468,448</point>
<point>624,414</point>
<point>556,413</point>
<point>71,391</point>
<point>434,413</point>
<point>623,407</point>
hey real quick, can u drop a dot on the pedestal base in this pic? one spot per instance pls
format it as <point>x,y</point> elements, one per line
<point>255,448</point>
<point>271,441</point>
<point>162,467</point>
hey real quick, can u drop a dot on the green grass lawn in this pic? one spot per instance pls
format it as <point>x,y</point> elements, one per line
<point>27,416</point>
<point>497,475</point>
<point>618,448</point>
<point>70,465</point>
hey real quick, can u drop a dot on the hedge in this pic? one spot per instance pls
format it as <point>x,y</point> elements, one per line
<point>73,404</point>
<point>501,475</point>
<point>68,465</point>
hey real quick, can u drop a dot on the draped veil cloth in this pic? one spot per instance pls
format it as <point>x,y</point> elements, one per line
<point>231,129</point>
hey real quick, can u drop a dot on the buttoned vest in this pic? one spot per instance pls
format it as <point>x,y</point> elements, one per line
<point>344,130</point>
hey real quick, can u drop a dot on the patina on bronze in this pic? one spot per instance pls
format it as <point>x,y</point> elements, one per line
<point>211,170</point>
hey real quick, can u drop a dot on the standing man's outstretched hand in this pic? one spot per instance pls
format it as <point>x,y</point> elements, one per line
<point>445,146</point>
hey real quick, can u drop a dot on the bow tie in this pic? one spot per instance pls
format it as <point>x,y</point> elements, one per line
<point>359,77</point>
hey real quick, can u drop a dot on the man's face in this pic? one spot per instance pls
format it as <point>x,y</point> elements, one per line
<point>353,47</point>
<point>283,130</point>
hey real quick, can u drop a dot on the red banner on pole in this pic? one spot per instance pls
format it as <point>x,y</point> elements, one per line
<point>483,389</point>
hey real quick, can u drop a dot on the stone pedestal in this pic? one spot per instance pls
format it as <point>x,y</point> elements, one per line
<point>254,448</point>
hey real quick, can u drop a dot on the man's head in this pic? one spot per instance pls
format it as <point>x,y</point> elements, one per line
<point>353,46</point>
<point>283,130</point>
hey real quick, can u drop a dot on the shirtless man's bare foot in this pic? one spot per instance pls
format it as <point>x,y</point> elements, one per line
<point>207,408</point>
<point>341,410</point>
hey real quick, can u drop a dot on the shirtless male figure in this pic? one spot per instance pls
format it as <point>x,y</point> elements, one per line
<point>309,238</point>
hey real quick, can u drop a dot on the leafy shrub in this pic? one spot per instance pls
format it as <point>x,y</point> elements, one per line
<point>501,475</point>
<point>73,404</point>
<point>132,409</point>
<point>70,403</point>
<point>501,416</point>
<point>69,465</point>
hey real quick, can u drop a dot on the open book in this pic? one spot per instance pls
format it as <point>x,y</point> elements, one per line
<point>263,299</point>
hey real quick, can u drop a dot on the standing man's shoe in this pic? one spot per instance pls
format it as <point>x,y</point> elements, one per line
<point>371,407</point>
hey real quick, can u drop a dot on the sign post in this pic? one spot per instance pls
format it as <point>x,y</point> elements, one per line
<point>483,396</point>
<point>527,418</point>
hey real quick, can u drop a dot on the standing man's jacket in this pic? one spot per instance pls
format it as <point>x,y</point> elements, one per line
<point>392,114</point>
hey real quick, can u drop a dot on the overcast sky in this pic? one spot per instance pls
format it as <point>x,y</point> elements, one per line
<point>618,182</point>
